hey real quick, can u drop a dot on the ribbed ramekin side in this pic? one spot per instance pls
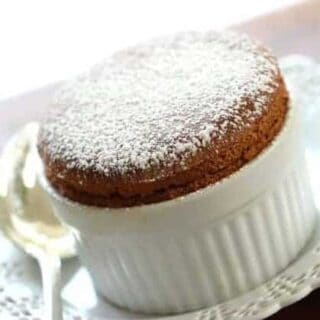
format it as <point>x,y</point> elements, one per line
<point>181,270</point>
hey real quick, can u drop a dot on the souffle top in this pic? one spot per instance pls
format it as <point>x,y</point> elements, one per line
<point>162,119</point>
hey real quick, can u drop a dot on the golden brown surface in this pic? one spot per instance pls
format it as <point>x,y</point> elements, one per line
<point>163,119</point>
<point>205,169</point>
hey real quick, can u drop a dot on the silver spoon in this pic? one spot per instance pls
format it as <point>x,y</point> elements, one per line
<point>27,218</point>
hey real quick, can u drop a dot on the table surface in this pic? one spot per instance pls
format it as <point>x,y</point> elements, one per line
<point>308,309</point>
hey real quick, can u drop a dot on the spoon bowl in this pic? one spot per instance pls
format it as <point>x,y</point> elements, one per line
<point>28,220</point>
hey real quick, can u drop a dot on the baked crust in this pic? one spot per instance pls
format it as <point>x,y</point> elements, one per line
<point>223,154</point>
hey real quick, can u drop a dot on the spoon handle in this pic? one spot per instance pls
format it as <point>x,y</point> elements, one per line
<point>51,285</point>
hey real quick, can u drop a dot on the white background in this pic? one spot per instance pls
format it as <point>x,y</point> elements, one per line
<point>43,41</point>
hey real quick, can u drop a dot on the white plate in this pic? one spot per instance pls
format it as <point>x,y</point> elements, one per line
<point>20,287</point>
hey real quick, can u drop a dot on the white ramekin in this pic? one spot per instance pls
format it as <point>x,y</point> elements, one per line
<point>206,247</point>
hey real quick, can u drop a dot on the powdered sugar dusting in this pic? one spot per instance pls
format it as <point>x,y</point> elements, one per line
<point>158,103</point>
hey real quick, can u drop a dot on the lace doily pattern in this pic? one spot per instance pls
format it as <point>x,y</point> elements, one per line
<point>20,287</point>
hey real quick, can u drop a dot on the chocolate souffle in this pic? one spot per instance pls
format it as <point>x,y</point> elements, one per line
<point>162,119</point>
